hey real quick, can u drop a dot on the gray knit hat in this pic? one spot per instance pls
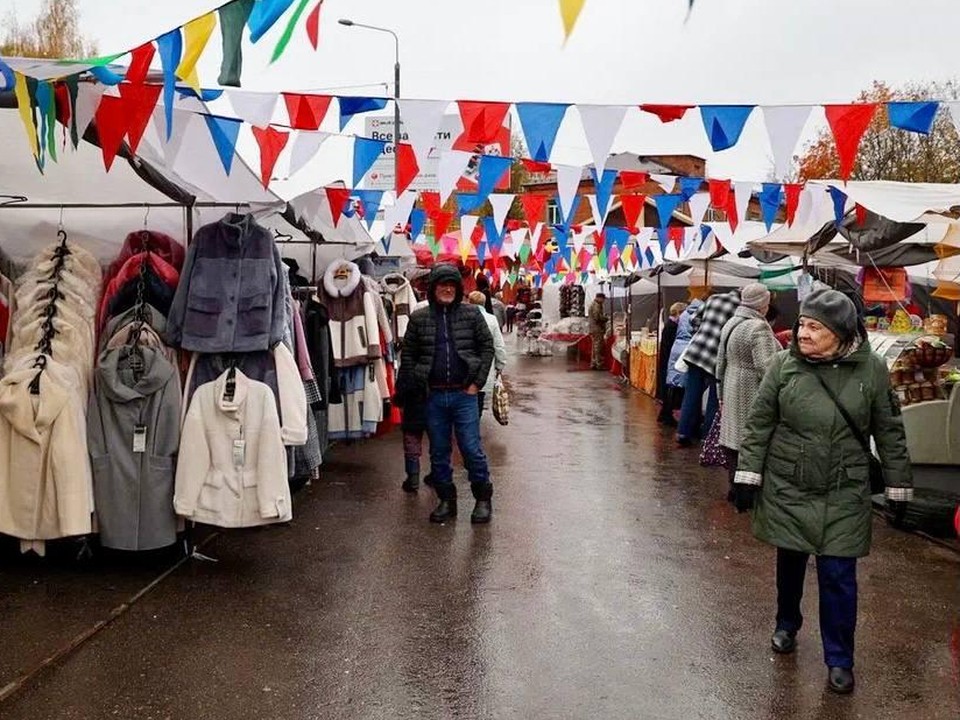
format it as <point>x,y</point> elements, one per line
<point>755,296</point>
<point>834,310</point>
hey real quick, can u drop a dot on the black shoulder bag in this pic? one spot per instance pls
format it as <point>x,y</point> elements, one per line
<point>877,483</point>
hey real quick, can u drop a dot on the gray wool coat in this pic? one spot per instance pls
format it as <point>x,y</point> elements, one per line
<point>134,490</point>
<point>747,345</point>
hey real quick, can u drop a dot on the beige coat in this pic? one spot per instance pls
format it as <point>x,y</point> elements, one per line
<point>219,483</point>
<point>45,480</point>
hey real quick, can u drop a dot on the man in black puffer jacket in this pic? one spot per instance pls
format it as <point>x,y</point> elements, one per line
<point>448,351</point>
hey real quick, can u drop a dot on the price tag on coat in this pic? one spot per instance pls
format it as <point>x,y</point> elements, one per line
<point>139,438</point>
<point>239,452</point>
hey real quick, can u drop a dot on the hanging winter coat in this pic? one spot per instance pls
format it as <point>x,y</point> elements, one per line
<point>404,300</point>
<point>146,241</point>
<point>230,298</point>
<point>232,468</point>
<point>352,313</point>
<point>133,469</point>
<point>45,483</point>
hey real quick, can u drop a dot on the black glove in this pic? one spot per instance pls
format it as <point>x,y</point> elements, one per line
<point>744,496</point>
<point>896,512</point>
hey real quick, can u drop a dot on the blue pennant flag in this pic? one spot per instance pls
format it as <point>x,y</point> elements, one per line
<point>385,242</point>
<point>839,203</point>
<point>106,76</point>
<point>492,169</point>
<point>916,117</point>
<point>604,188</point>
<point>618,236</point>
<point>666,204</point>
<point>9,79</point>
<point>560,235</point>
<point>264,15</point>
<point>494,234</point>
<point>365,154</point>
<point>371,199</point>
<point>468,202</point>
<point>690,186</point>
<point>350,106</point>
<point>224,132</point>
<point>418,219</point>
<point>649,255</point>
<point>205,94</point>
<point>705,232</point>
<point>770,198</point>
<point>481,252</point>
<point>170,47</point>
<point>724,123</point>
<point>540,123</point>
<point>574,206</point>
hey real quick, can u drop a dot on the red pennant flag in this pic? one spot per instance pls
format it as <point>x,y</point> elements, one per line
<point>138,103</point>
<point>861,214</point>
<point>666,113</point>
<point>111,124</point>
<point>534,207</point>
<point>431,203</point>
<point>140,63</point>
<point>720,193</point>
<point>676,237</point>
<point>792,192</point>
<point>599,240</point>
<point>848,124</point>
<point>482,120</point>
<point>313,25</point>
<point>584,260</point>
<point>535,166</point>
<point>407,166</point>
<point>632,209</point>
<point>633,180</point>
<point>306,112</point>
<point>62,101</point>
<point>338,198</point>
<point>513,225</point>
<point>441,223</point>
<point>477,237</point>
<point>271,142</point>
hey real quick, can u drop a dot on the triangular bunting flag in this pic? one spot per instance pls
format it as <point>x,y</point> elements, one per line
<point>468,202</point>
<point>224,132</point>
<point>305,112</point>
<point>848,124</point>
<point>88,100</point>
<point>313,25</point>
<point>418,219</point>
<point>257,108</point>
<point>770,198</point>
<point>453,163</point>
<point>288,31</point>
<point>469,233</point>
<point>441,223</point>
<point>264,15</point>
<point>111,127</point>
<point>305,147</point>
<point>617,237</point>
<point>720,194</point>
<point>698,207</point>
<point>170,47</point>
<point>365,154</point>
<point>431,202</point>
<point>492,170</point>
<point>351,106</point>
<point>233,19</point>
<point>666,204</point>
<point>421,121</point>
<point>271,142</point>
<point>569,216</point>
<point>494,234</point>
<point>839,198</point>
<point>601,123</point>
<point>535,167</point>
<point>140,60</point>
<point>501,204</point>
<point>568,182</point>
<point>604,186</point>
<point>534,207</point>
<point>667,182</point>
<point>954,108</point>
<point>338,199</point>
<point>196,33</point>
<point>676,236</point>
<point>724,123</point>
<point>569,12</point>
<point>482,121</point>
<point>632,208</point>
<point>916,117</point>
<point>689,186</point>
<point>742,192</point>
<point>395,216</point>
<point>667,113</point>
<point>633,179</point>
<point>407,166</point>
<point>599,218</point>
<point>138,104</point>
<point>540,123</point>
<point>481,252</point>
<point>784,125</point>
<point>792,192</point>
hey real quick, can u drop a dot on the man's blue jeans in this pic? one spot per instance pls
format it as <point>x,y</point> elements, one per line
<point>449,413</point>
<point>694,424</point>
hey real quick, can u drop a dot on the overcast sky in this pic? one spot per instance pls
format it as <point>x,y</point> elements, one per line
<point>622,51</point>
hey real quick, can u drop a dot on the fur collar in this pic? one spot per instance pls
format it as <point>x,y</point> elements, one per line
<point>343,287</point>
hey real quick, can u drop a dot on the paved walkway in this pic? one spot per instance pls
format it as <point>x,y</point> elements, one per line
<point>614,582</point>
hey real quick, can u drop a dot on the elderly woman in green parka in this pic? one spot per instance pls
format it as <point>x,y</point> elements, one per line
<point>806,476</point>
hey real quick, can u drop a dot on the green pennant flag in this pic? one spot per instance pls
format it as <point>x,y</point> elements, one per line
<point>524,253</point>
<point>97,61</point>
<point>434,246</point>
<point>288,32</point>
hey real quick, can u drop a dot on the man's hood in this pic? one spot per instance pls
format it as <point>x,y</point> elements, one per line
<point>445,272</point>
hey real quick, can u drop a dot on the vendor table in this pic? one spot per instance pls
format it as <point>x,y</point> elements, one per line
<point>643,366</point>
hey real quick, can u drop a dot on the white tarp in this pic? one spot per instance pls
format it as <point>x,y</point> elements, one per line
<point>899,201</point>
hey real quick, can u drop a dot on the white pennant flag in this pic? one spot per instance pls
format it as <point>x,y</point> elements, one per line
<point>691,241</point>
<point>88,100</point>
<point>253,107</point>
<point>601,123</point>
<point>699,203</point>
<point>724,236</point>
<point>665,181</point>
<point>535,237</point>
<point>305,147</point>
<point>954,108</point>
<point>453,163</point>
<point>568,182</point>
<point>517,238</point>
<point>421,120</point>
<point>599,219</point>
<point>178,130</point>
<point>501,203</point>
<point>468,223</point>
<point>398,213</point>
<point>742,192</point>
<point>784,125</point>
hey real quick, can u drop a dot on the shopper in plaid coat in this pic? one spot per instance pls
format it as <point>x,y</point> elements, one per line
<point>700,358</point>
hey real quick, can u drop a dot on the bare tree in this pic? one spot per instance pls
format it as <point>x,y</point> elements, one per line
<point>54,33</point>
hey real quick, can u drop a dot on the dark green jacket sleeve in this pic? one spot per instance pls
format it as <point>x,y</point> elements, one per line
<point>886,426</point>
<point>763,419</point>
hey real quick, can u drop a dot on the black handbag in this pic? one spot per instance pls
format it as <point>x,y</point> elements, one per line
<point>875,477</point>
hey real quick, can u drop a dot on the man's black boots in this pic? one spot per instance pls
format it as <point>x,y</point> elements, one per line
<point>483,510</point>
<point>412,483</point>
<point>447,508</point>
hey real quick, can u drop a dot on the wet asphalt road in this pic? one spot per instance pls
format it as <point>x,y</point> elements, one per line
<point>614,582</point>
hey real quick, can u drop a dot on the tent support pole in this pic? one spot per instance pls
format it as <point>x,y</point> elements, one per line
<point>657,330</point>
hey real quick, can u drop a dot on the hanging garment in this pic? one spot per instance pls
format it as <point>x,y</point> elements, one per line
<point>351,309</point>
<point>151,241</point>
<point>232,468</point>
<point>383,319</point>
<point>45,481</point>
<point>129,273</point>
<point>358,415</point>
<point>231,296</point>
<point>293,398</point>
<point>401,295</point>
<point>156,292</point>
<point>133,430</point>
<point>151,316</point>
<point>259,366</point>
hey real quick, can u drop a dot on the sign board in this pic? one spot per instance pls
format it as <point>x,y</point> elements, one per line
<point>450,136</point>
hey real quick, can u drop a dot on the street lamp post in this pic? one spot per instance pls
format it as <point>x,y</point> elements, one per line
<point>396,96</point>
